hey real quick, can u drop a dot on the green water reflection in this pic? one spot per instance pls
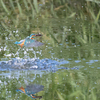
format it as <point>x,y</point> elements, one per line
<point>65,84</point>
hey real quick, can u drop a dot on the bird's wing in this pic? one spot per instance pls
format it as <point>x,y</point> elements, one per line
<point>32,89</point>
<point>32,43</point>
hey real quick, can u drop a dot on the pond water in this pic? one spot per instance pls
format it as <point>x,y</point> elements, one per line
<point>66,67</point>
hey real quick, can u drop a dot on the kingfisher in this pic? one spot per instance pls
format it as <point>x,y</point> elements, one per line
<point>29,41</point>
<point>30,90</point>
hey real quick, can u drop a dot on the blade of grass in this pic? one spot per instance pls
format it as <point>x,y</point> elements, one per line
<point>94,1</point>
<point>79,38</point>
<point>76,94</point>
<point>5,8</point>
<point>36,5</point>
<point>60,97</point>
<point>52,36</point>
<point>11,2</point>
<point>72,15</point>
<point>26,4</point>
<point>33,11</point>
<point>19,7</point>
<point>98,16</point>
<point>92,14</point>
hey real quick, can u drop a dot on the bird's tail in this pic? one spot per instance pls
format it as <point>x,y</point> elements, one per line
<point>17,42</point>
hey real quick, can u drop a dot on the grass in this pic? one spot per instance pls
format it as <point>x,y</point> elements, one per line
<point>58,9</point>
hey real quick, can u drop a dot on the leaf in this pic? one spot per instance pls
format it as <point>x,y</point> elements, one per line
<point>59,95</point>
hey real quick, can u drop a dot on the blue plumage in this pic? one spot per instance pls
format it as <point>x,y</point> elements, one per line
<point>29,41</point>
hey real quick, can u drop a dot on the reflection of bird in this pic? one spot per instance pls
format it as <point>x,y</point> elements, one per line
<point>29,41</point>
<point>30,90</point>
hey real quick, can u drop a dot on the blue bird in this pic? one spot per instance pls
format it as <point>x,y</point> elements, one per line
<point>30,90</point>
<point>29,41</point>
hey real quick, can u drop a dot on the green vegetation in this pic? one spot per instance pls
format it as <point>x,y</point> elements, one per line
<point>71,31</point>
<point>61,22</point>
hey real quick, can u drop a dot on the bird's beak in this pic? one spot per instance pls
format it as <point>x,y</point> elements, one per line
<point>32,37</point>
<point>38,34</point>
